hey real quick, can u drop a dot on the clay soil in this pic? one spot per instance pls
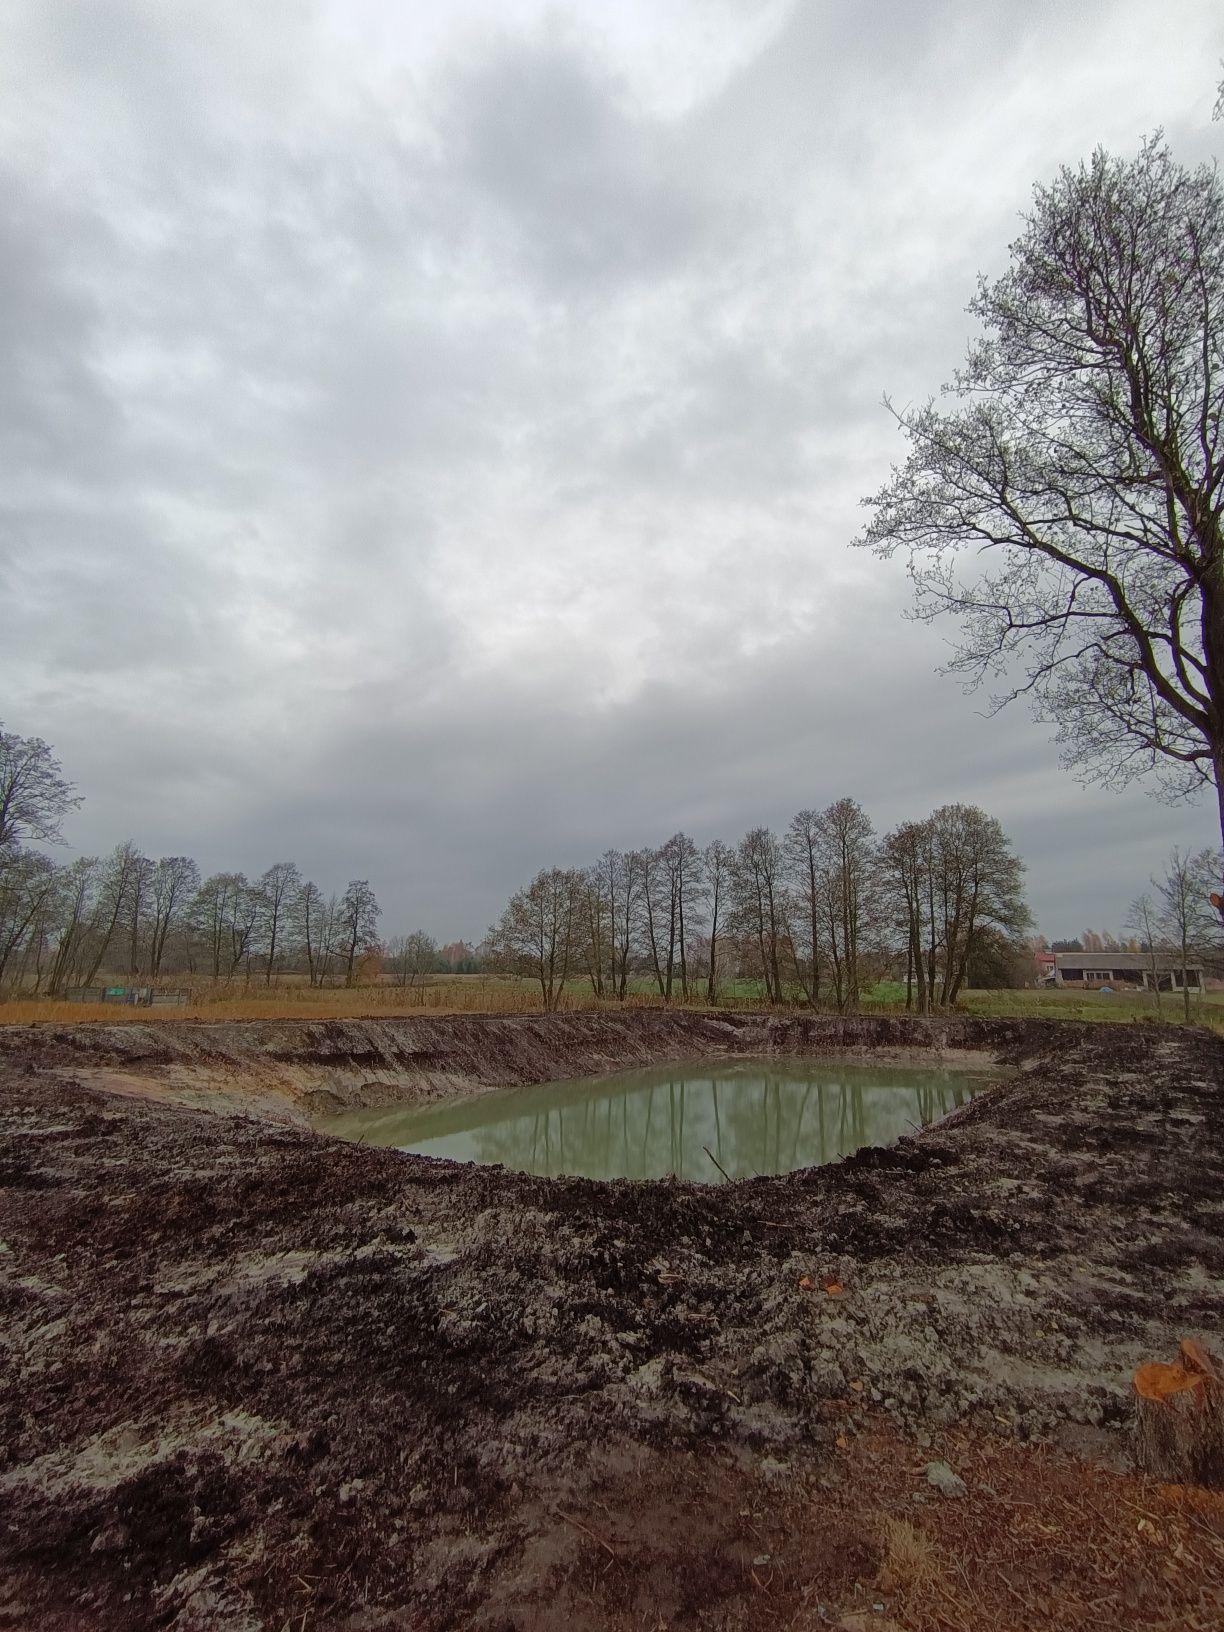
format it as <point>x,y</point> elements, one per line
<point>254,1378</point>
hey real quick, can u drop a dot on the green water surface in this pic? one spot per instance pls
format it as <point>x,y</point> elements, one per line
<point>744,1116</point>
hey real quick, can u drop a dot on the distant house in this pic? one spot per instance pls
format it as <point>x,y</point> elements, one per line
<point>1092,970</point>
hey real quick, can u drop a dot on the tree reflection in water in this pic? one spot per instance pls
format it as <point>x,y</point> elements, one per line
<point>755,1116</point>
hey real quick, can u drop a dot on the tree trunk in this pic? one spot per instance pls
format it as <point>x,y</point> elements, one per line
<point>1185,971</point>
<point>1179,1419</point>
<point>671,946</point>
<point>684,986</point>
<point>273,928</point>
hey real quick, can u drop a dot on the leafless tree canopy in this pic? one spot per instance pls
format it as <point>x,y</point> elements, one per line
<point>816,918</point>
<point>1068,510</point>
<point>1183,917</point>
<point>34,795</point>
<point>955,877</point>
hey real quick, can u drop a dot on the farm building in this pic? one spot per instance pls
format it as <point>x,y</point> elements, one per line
<point>1122,969</point>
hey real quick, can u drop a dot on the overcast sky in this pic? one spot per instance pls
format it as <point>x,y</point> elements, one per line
<point>431,435</point>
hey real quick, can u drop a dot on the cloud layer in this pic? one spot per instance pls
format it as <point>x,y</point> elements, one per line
<point>430,437</point>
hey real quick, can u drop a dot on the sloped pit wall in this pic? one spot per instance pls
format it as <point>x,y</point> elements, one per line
<point>291,1070</point>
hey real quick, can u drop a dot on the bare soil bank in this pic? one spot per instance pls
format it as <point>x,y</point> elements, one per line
<point>252,1377</point>
<point>292,1070</point>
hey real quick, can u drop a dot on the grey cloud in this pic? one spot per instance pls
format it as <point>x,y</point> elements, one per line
<point>591,194</point>
<point>450,822</point>
<point>441,471</point>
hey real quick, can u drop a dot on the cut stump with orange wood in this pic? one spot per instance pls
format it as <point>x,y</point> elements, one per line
<point>1179,1418</point>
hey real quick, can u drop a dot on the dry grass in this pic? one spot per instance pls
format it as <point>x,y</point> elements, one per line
<point>1043,1540</point>
<point>473,994</point>
<point>911,1563</point>
<point>291,998</point>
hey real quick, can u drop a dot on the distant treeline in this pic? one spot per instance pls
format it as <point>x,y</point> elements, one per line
<point>816,915</point>
<point>63,925</point>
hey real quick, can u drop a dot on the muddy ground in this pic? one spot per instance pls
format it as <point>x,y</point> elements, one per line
<point>253,1378</point>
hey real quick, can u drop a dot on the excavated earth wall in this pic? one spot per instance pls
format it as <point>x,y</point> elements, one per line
<point>292,1070</point>
<point>254,1378</point>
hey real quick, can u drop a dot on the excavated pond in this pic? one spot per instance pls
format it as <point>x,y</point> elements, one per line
<point>703,1120</point>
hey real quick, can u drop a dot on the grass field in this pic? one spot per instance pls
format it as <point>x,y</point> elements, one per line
<point>496,994</point>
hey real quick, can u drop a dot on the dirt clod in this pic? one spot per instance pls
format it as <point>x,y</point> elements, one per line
<point>945,1481</point>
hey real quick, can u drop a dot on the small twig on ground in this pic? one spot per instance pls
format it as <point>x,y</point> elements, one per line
<point>718,1164</point>
<point>719,1388</point>
<point>587,1531</point>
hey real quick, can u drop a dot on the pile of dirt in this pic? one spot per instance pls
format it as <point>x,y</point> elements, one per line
<point>255,1377</point>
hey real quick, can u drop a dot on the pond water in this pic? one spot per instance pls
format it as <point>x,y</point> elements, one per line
<point>742,1116</point>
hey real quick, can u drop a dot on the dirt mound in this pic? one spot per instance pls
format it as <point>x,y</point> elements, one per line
<point>255,1377</point>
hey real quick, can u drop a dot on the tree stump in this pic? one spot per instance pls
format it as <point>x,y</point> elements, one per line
<point>1179,1419</point>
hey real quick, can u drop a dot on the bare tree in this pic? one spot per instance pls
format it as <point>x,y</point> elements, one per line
<point>717,862</point>
<point>225,912</point>
<point>535,934</point>
<point>34,795</point>
<point>620,880</point>
<point>412,957</point>
<point>760,904</point>
<point>78,897</point>
<point>1143,920</point>
<point>653,903</point>
<point>1087,469</point>
<point>951,879</point>
<point>176,880</point>
<point>906,870</point>
<point>593,927</point>
<point>359,915</point>
<point>805,874</point>
<point>114,898</point>
<point>976,882</point>
<point>684,865</point>
<point>671,880</point>
<point>317,918</point>
<point>845,867</point>
<point>277,892</point>
<point>139,898</point>
<point>1185,917</point>
<point>28,882</point>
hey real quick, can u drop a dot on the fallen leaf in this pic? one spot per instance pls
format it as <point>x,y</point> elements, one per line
<point>840,1442</point>
<point>806,1284</point>
<point>857,1386</point>
<point>834,1288</point>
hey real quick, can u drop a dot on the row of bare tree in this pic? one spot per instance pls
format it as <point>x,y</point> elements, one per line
<point>815,915</point>
<point>60,926</point>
